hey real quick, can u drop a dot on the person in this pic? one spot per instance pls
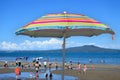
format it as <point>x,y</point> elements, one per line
<point>50,76</point>
<point>26,58</point>
<point>45,64</point>
<point>22,66</point>
<point>46,76</point>
<point>17,72</point>
<point>56,66</point>
<point>36,70</point>
<point>93,67</point>
<point>40,64</point>
<point>79,67</point>
<point>69,67</point>
<point>50,66</point>
<point>19,63</point>
<point>37,75</point>
<point>37,65</point>
<point>16,61</point>
<point>84,69</point>
<point>6,64</point>
<point>66,64</point>
<point>71,63</point>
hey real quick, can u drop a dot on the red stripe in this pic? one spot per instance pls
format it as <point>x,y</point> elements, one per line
<point>64,21</point>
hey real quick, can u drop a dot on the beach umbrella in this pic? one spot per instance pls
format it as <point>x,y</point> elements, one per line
<point>64,25</point>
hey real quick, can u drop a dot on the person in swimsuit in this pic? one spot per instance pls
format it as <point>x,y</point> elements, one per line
<point>84,69</point>
<point>17,72</point>
<point>79,67</point>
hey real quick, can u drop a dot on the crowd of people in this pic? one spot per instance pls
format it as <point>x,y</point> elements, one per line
<point>38,65</point>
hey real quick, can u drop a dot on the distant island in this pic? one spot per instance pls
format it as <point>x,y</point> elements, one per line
<point>91,48</point>
<point>88,48</point>
<point>85,48</point>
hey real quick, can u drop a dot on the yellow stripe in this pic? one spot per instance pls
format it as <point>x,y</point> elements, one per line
<point>38,20</point>
<point>66,24</point>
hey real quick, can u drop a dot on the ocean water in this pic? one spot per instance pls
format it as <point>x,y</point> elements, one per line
<point>84,58</point>
<point>25,75</point>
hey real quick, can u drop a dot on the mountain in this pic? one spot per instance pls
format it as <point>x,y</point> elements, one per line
<point>87,48</point>
<point>91,48</point>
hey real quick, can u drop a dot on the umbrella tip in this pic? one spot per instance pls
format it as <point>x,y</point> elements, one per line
<point>65,12</point>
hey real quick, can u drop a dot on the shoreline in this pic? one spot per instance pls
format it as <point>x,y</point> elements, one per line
<point>101,71</point>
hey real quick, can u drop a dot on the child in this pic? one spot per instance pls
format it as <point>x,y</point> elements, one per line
<point>17,72</point>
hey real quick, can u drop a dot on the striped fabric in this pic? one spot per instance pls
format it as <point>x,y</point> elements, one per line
<point>72,21</point>
<point>54,25</point>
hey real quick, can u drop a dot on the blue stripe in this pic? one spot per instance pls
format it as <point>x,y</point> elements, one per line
<point>62,27</point>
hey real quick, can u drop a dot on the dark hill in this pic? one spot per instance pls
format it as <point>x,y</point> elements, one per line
<point>87,48</point>
<point>91,48</point>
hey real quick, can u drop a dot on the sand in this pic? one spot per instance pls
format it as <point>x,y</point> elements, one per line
<point>101,71</point>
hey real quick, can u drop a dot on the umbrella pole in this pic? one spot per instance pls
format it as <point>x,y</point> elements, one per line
<point>63,55</point>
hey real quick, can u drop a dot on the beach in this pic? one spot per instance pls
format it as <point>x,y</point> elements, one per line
<point>106,65</point>
<point>100,71</point>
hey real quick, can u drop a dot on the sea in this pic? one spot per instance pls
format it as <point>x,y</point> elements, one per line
<point>74,57</point>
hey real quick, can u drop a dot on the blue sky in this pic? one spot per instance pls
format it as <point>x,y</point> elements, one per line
<point>17,13</point>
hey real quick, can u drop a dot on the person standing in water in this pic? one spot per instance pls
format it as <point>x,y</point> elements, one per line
<point>79,68</point>
<point>84,69</point>
<point>36,70</point>
<point>50,76</point>
<point>17,72</point>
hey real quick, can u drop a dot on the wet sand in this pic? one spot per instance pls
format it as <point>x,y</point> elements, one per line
<point>101,71</point>
<point>11,70</point>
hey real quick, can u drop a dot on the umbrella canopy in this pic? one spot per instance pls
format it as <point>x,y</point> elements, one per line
<point>53,25</point>
<point>64,25</point>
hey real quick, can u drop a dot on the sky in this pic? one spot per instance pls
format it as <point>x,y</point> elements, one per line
<point>15,14</point>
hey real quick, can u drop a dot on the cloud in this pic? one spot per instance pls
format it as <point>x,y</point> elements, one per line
<point>32,45</point>
<point>8,45</point>
<point>50,44</point>
<point>53,43</point>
